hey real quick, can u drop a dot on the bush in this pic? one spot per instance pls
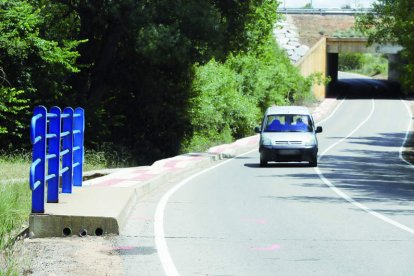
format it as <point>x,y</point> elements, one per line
<point>230,97</point>
<point>366,64</point>
<point>350,61</point>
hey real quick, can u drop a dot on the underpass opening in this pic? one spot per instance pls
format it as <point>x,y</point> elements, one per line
<point>372,69</point>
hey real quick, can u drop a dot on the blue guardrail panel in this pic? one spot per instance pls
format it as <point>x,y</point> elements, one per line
<point>67,150</point>
<point>78,141</point>
<point>54,155</point>
<point>38,167</point>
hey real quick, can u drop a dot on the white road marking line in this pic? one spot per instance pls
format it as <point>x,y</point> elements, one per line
<point>159,234</point>
<point>352,132</point>
<point>333,112</point>
<point>347,197</point>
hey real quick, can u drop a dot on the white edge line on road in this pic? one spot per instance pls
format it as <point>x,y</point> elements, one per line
<point>333,112</point>
<point>347,197</point>
<point>159,235</point>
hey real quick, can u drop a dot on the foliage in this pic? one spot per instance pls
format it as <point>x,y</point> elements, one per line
<point>393,22</point>
<point>366,64</point>
<point>12,104</point>
<point>29,63</point>
<point>138,64</point>
<point>230,98</point>
<point>350,61</point>
<point>352,32</point>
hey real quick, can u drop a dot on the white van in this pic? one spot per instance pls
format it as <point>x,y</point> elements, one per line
<point>288,133</point>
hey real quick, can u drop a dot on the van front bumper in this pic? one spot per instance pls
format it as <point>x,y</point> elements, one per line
<point>278,154</point>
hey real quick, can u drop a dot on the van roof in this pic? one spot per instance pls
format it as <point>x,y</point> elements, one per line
<point>302,110</point>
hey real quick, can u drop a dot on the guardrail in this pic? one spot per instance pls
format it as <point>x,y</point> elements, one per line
<point>57,138</point>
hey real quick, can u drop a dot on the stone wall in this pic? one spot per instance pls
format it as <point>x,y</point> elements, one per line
<point>287,37</point>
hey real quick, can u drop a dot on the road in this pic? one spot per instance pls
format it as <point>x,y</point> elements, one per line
<point>353,215</point>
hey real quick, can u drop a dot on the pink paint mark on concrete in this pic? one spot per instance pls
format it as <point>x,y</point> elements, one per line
<point>143,177</point>
<point>272,247</point>
<point>108,182</point>
<point>261,221</point>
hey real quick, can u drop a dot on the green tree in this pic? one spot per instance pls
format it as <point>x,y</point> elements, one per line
<point>29,62</point>
<point>229,97</point>
<point>393,22</point>
<point>138,64</point>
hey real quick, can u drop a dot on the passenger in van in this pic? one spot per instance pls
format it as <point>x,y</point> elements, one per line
<point>275,125</point>
<point>300,125</point>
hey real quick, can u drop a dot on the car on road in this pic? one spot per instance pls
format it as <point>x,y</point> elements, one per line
<point>288,134</point>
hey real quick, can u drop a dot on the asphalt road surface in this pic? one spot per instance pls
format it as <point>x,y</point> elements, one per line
<point>353,215</point>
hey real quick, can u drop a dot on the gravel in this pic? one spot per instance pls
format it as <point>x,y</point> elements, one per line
<point>68,256</point>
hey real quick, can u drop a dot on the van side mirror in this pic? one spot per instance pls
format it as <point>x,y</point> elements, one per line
<point>318,129</point>
<point>257,129</point>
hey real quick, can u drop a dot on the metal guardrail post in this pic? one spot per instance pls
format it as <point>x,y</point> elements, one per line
<point>78,150</point>
<point>54,155</point>
<point>38,167</point>
<point>67,150</point>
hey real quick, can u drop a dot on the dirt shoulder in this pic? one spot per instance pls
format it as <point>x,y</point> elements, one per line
<point>68,256</point>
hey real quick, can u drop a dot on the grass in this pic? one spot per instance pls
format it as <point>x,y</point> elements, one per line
<point>15,204</point>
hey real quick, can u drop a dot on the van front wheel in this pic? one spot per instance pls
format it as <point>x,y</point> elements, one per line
<point>313,163</point>
<point>263,161</point>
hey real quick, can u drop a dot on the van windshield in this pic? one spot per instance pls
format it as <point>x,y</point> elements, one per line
<point>288,123</point>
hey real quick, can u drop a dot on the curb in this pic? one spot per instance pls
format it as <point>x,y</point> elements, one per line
<point>103,204</point>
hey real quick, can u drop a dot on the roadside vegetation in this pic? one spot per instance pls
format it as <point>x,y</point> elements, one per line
<point>373,65</point>
<point>15,203</point>
<point>393,22</point>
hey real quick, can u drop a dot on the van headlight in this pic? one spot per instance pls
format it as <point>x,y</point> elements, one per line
<point>266,141</point>
<point>310,141</point>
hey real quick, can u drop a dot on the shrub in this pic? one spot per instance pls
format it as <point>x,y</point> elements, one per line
<point>229,97</point>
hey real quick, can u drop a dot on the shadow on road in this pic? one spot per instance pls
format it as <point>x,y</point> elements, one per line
<point>365,89</point>
<point>278,165</point>
<point>375,175</point>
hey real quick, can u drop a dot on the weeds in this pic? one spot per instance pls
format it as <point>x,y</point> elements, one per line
<point>14,212</point>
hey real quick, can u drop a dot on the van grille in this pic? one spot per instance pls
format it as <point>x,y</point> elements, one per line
<point>288,142</point>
